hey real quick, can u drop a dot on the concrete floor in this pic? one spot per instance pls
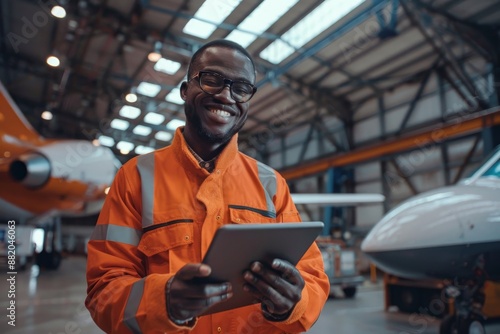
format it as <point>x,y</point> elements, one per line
<point>51,302</point>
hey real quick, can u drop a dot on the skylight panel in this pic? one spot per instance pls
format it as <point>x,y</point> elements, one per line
<point>106,141</point>
<point>321,18</point>
<point>167,66</point>
<point>148,89</point>
<point>260,20</point>
<point>143,149</point>
<point>154,118</point>
<point>175,96</point>
<point>119,124</point>
<point>276,52</point>
<point>142,130</point>
<point>129,112</point>
<point>174,124</point>
<point>213,11</point>
<point>163,135</point>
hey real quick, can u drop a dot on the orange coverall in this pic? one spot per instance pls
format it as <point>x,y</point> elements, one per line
<point>162,212</point>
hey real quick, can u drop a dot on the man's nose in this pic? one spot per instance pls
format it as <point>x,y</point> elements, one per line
<point>225,95</point>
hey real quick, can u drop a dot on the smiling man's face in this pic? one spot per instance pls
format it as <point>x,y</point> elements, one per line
<point>216,118</point>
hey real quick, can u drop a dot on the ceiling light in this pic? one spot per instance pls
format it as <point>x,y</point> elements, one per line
<point>143,149</point>
<point>174,124</point>
<point>129,112</point>
<point>213,11</point>
<point>47,115</point>
<point>58,12</point>
<point>106,141</point>
<point>163,135</point>
<point>313,24</point>
<point>167,66</point>
<point>154,56</point>
<point>73,24</point>
<point>265,15</point>
<point>142,130</point>
<point>119,124</point>
<point>148,89</point>
<point>53,61</point>
<point>154,118</point>
<point>174,96</point>
<point>125,147</point>
<point>131,97</point>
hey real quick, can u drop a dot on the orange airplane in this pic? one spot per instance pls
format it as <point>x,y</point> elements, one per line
<point>48,177</point>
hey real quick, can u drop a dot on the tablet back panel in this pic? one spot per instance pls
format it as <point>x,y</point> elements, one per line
<point>236,246</point>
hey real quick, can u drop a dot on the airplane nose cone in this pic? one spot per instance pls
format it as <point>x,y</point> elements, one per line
<point>434,233</point>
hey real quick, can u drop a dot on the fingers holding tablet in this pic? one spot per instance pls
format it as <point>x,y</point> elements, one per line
<point>279,286</point>
<point>188,296</point>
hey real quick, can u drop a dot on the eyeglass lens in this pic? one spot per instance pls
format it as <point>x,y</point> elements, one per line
<point>213,83</point>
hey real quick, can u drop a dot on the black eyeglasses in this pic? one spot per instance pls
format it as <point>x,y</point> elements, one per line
<point>213,83</point>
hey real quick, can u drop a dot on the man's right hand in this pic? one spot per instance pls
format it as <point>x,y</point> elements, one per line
<point>188,297</point>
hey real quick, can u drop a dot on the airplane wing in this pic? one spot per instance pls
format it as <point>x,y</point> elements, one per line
<point>338,199</point>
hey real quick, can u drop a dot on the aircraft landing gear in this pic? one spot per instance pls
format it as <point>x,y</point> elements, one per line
<point>469,299</point>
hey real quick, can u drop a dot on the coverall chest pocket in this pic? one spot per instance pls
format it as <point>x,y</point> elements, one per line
<point>247,215</point>
<point>167,246</point>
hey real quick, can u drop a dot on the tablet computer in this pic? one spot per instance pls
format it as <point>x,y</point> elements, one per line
<point>236,246</point>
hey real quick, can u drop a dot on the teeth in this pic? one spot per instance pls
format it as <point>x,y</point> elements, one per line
<point>221,113</point>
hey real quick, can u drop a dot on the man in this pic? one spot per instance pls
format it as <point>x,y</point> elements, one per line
<point>164,208</point>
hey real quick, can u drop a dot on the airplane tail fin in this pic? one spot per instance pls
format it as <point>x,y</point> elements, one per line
<point>12,120</point>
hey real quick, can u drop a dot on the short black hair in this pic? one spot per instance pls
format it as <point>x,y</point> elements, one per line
<point>223,43</point>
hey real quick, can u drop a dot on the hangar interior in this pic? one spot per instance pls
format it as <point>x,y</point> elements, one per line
<point>395,97</point>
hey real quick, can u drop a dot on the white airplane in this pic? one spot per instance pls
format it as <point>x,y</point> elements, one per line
<point>45,179</point>
<point>450,233</point>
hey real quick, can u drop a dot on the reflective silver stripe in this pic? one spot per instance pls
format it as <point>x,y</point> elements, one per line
<point>146,167</point>
<point>117,233</point>
<point>268,181</point>
<point>133,302</point>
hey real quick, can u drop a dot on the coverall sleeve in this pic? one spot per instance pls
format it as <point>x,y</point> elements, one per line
<point>317,285</point>
<point>121,297</point>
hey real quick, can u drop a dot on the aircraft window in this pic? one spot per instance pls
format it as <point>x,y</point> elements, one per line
<point>493,170</point>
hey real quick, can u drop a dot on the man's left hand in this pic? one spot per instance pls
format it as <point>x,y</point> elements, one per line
<point>278,287</point>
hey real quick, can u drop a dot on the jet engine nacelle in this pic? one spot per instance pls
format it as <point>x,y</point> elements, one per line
<point>31,169</point>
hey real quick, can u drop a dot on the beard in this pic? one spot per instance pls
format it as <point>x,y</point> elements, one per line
<point>204,134</point>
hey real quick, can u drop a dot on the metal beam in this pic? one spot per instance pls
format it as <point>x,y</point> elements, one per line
<point>323,98</point>
<point>467,159</point>
<point>405,177</point>
<point>307,141</point>
<point>446,163</point>
<point>454,128</point>
<point>443,52</point>
<point>353,59</point>
<point>417,97</point>
<point>381,116</point>
<point>393,86</point>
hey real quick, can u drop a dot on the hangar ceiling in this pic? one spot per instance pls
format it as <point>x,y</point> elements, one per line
<point>320,88</point>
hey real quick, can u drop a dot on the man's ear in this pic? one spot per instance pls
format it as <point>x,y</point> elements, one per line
<point>183,90</point>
